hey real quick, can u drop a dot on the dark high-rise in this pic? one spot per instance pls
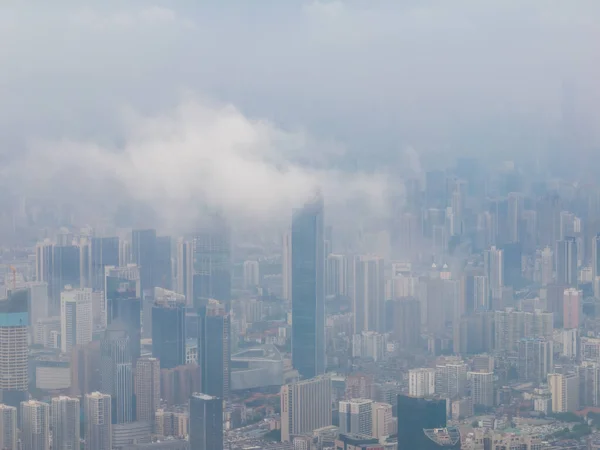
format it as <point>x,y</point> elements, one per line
<point>123,303</point>
<point>212,263</point>
<point>206,422</point>
<point>117,372</point>
<point>104,252</point>
<point>566,262</point>
<point>163,266</point>
<point>143,249</point>
<point>168,333</point>
<point>214,349</point>
<point>65,271</point>
<point>415,415</point>
<point>308,270</point>
<point>512,263</point>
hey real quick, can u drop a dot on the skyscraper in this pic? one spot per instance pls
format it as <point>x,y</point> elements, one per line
<point>104,252</point>
<point>8,427</point>
<point>336,275</point>
<point>493,260</point>
<point>564,389</point>
<point>596,256</point>
<point>14,350</point>
<point>451,379</point>
<point>35,425</point>
<point>547,261</point>
<point>76,318</point>
<point>214,349</point>
<point>369,294</point>
<point>421,382</point>
<point>206,422</point>
<point>286,266</point>
<point>65,416</point>
<point>143,249</point>
<point>98,421</point>
<point>65,271</point>
<point>163,264</point>
<point>407,322</point>
<point>482,388</point>
<point>305,406</point>
<point>212,263</point>
<point>251,274</point>
<point>168,332</point>
<point>117,373</point>
<point>415,415</point>
<point>308,271</point>
<point>147,388</point>
<point>566,262</point>
<point>535,359</point>
<point>572,308</point>
<point>38,303</point>
<point>185,270</point>
<point>356,416</point>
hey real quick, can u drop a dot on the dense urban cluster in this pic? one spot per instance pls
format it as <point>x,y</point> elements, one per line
<point>470,323</point>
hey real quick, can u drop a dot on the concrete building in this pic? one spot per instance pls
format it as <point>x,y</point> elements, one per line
<point>572,308</point>
<point>35,425</point>
<point>251,274</point>
<point>76,318</point>
<point>368,294</point>
<point>382,420</point>
<point>421,382</point>
<point>482,388</point>
<point>65,416</point>
<point>147,388</point>
<point>305,406</point>
<point>356,416</point>
<point>564,389</point>
<point>98,421</point>
<point>336,276</point>
<point>451,379</point>
<point>8,427</point>
<point>206,422</point>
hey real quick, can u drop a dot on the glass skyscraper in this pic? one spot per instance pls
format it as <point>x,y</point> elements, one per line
<point>168,333</point>
<point>308,271</point>
<point>214,349</point>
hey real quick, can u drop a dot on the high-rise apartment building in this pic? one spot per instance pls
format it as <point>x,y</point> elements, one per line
<point>98,421</point>
<point>251,274</point>
<point>356,416</point>
<point>147,388</point>
<point>35,425</point>
<point>451,379</point>
<point>65,416</point>
<point>168,332</point>
<point>336,276</point>
<point>482,388</point>
<point>38,303</point>
<point>368,294</point>
<point>185,270</point>
<point>572,304</point>
<point>76,317</point>
<point>382,420</point>
<point>117,373</point>
<point>421,382</point>
<point>566,262</point>
<point>14,351</point>
<point>493,260</point>
<point>305,406</point>
<point>547,269</point>
<point>214,349</point>
<point>206,422</point>
<point>407,322</point>
<point>535,359</point>
<point>564,389</point>
<point>308,290</point>
<point>8,427</point>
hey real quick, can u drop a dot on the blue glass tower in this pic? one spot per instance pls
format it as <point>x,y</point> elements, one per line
<point>308,270</point>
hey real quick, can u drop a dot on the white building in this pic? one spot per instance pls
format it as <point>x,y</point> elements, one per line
<point>564,389</point>
<point>482,388</point>
<point>76,317</point>
<point>356,416</point>
<point>382,421</point>
<point>421,382</point>
<point>35,425</point>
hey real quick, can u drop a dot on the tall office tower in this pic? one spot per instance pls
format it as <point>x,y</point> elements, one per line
<point>305,406</point>
<point>85,369</point>
<point>104,252</point>
<point>451,379</point>
<point>564,389</point>
<point>123,302</point>
<point>547,260</point>
<point>286,266</point>
<point>421,382</point>
<point>214,350</point>
<point>163,263</point>
<point>382,421</point>
<point>336,277</point>
<point>572,308</point>
<point>35,425</point>
<point>482,388</point>
<point>415,415</point>
<point>212,263</point>
<point>566,262</point>
<point>356,416</point>
<point>369,294</point>
<point>407,323</point>
<point>516,205</point>
<point>143,250</point>
<point>512,264</point>
<point>308,290</point>
<point>98,421</point>
<point>147,389</point>
<point>14,351</point>
<point>8,427</point>
<point>251,274</point>
<point>535,359</point>
<point>76,321</point>
<point>589,383</point>
<point>206,422</point>
<point>494,270</point>
<point>169,332</point>
<point>38,302</point>
<point>117,372</point>
<point>43,261</point>
<point>185,270</point>
<point>65,416</point>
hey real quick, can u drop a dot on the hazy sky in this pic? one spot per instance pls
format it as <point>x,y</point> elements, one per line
<point>263,87</point>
